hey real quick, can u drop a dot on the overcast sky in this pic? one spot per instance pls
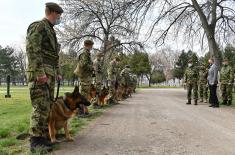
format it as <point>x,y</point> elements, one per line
<point>15,16</point>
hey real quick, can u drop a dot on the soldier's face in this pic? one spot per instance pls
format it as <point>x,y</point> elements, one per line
<point>55,18</point>
<point>225,63</point>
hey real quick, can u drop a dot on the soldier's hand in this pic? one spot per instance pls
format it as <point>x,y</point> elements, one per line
<point>42,79</point>
<point>59,78</point>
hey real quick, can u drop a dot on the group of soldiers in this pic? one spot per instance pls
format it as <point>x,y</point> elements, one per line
<point>43,70</point>
<point>92,72</point>
<point>195,78</point>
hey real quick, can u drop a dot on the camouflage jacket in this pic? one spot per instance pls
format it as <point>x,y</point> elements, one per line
<point>226,75</point>
<point>42,50</point>
<point>98,66</point>
<point>112,70</point>
<point>85,63</point>
<point>191,75</point>
<point>125,75</point>
<point>203,73</point>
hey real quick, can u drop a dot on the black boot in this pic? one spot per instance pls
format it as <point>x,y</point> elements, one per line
<point>229,103</point>
<point>195,102</point>
<point>224,102</point>
<point>189,102</point>
<point>39,145</point>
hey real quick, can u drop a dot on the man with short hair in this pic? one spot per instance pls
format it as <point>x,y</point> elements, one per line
<point>226,82</point>
<point>203,88</point>
<point>112,79</point>
<point>86,71</point>
<point>98,77</point>
<point>125,80</point>
<point>43,68</point>
<point>191,79</point>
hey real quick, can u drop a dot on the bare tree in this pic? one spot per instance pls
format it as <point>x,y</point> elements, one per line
<point>100,20</point>
<point>211,20</point>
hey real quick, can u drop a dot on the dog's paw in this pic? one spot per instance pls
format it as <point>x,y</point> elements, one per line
<point>70,139</point>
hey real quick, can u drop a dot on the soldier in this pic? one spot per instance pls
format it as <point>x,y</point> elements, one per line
<point>125,81</point>
<point>43,68</point>
<point>85,72</point>
<point>203,88</point>
<point>190,79</point>
<point>98,77</point>
<point>226,82</point>
<point>112,79</point>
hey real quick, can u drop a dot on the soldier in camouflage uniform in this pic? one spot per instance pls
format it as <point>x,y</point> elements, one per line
<point>98,77</point>
<point>203,88</point>
<point>226,82</point>
<point>125,80</point>
<point>43,68</point>
<point>86,71</point>
<point>191,79</point>
<point>112,79</point>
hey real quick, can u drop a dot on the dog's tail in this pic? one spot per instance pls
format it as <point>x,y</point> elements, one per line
<point>22,136</point>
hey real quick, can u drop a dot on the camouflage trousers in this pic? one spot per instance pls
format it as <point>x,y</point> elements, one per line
<point>85,86</point>
<point>112,89</point>
<point>226,91</point>
<point>41,95</point>
<point>98,87</point>
<point>192,87</point>
<point>203,91</point>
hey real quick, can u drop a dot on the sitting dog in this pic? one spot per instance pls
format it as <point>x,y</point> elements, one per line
<point>64,109</point>
<point>103,94</point>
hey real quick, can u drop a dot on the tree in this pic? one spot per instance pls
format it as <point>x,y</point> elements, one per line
<point>140,65</point>
<point>158,77</point>
<point>100,20</point>
<point>212,20</point>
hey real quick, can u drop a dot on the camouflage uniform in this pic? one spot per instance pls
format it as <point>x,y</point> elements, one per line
<point>98,75</point>
<point>112,79</point>
<point>191,79</point>
<point>125,79</point>
<point>226,83</point>
<point>203,88</point>
<point>43,59</point>
<point>86,65</point>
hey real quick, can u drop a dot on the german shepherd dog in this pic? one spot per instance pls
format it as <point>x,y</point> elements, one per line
<point>103,94</point>
<point>64,109</point>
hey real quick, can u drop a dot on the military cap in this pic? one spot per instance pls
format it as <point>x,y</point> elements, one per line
<point>225,59</point>
<point>100,54</point>
<point>190,61</point>
<point>117,58</point>
<point>54,7</point>
<point>88,42</point>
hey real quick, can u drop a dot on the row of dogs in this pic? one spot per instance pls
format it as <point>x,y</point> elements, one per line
<point>68,106</point>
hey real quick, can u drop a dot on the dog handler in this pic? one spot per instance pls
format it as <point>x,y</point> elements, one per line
<point>43,68</point>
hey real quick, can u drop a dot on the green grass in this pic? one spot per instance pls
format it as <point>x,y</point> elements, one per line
<point>14,118</point>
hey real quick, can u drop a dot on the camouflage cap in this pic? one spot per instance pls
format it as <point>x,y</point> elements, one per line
<point>100,54</point>
<point>117,58</point>
<point>54,7</point>
<point>225,59</point>
<point>88,42</point>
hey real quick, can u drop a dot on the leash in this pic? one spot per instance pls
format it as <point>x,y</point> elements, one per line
<point>57,92</point>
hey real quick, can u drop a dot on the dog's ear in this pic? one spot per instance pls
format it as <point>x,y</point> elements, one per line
<point>76,90</point>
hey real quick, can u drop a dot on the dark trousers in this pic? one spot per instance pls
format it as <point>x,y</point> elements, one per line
<point>213,95</point>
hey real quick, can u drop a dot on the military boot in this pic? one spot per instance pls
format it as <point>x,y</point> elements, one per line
<point>229,103</point>
<point>195,102</point>
<point>40,145</point>
<point>201,100</point>
<point>224,102</point>
<point>189,102</point>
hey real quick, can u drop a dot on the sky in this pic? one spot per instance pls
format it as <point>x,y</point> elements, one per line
<point>15,17</point>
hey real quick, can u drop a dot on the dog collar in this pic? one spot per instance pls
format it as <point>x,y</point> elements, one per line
<point>67,106</point>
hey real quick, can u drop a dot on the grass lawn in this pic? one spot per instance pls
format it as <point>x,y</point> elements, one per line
<point>14,118</point>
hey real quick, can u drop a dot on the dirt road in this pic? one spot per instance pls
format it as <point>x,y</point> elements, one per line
<point>157,122</point>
